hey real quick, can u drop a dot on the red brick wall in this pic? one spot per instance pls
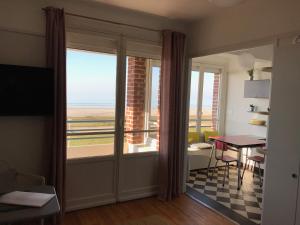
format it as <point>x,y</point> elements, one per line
<point>215,104</point>
<point>135,105</point>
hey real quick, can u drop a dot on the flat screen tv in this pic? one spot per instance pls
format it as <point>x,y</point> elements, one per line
<point>26,91</point>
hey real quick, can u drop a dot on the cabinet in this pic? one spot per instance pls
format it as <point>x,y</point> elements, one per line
<point>257,88</point>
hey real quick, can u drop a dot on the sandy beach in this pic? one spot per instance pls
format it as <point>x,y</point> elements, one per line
<point>110,112</point>
<point>90,112</point>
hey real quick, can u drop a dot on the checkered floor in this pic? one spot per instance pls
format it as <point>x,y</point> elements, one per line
<point>246,202</point>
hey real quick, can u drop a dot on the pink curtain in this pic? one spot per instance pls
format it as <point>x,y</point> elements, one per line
<point>172,109</point>
<point>56,59</point>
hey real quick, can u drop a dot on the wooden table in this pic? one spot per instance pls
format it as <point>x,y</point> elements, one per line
<point>15,214</point>
<point>239,142</point>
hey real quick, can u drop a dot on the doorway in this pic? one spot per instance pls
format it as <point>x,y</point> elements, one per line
<point>225,103</point>
<point>112,125</point>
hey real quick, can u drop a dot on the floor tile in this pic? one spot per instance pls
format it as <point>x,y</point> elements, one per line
<point>246,201</point>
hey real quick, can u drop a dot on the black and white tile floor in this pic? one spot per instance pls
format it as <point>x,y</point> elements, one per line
<point>247,201</point>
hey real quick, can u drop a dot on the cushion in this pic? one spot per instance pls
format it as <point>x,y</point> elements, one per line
<point>193,137</point>
<point>201,146</point>
<point>208,134</point>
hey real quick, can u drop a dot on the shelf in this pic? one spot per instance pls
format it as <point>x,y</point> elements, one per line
<point>260,112</point>
<point>267,69</point>
<point>264,125</point>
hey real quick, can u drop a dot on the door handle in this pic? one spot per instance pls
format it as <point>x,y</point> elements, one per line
<point>295,176</point>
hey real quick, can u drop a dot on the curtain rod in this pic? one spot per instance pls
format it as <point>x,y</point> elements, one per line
<point>110,21</point>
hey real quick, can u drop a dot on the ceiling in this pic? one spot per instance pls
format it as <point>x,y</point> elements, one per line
<point>187,10</point>
<point>261,53</point>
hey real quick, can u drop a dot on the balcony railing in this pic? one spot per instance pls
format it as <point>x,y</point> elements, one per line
<point>101,133</point>
<point>106,129</point>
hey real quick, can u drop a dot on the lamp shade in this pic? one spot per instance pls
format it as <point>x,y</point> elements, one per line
<point>225,3</point>
<point>247,61</point>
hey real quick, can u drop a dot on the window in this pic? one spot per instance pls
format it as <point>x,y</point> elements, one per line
<point>91,97</point>
<point>142,105</point>
<point>194,123</point>
<point>205,99</point>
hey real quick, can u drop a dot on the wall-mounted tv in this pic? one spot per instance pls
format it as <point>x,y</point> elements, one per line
<point>26,91</point>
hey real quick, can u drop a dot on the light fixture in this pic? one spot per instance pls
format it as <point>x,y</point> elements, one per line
<point>225,3</point>
<point>247,62</point>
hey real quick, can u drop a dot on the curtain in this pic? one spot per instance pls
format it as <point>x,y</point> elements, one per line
<point>56,59</point>
<point>172,112</point>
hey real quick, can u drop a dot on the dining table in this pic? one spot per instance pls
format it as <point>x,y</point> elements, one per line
<point>238,142</point>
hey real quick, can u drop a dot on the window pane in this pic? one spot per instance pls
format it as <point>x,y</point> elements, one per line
<point>149,144</point>
<point>91,88</point>
<point>194,100</point>
<point>141,113</point>
<point>210,101</point>
<point>153,108</point>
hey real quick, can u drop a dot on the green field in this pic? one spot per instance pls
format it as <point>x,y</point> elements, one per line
<point>85,127</point>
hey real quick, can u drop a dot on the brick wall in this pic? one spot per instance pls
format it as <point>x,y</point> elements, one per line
<point>215,104</point>
<point>135,105</point>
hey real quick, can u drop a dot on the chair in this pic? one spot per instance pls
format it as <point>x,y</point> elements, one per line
<point>11,178</point>
<point>221,147</point>
<point>257,159</point>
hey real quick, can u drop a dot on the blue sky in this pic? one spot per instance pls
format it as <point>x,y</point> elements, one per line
<point>208,82</point>
<point>91,79</point>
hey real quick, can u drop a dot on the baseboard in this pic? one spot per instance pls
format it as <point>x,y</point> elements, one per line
<point>99,200</point>
<point>138,193</point>
<point>90,201</point>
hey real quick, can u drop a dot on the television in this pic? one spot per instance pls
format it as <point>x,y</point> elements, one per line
<point>26,91</point>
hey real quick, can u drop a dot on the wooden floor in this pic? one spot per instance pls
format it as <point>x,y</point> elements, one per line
<point>182,211</point>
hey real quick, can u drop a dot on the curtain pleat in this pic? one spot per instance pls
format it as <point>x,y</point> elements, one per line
<point>56,59</point>
<point>172,95</point>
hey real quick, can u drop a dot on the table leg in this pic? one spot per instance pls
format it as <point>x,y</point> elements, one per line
<point>239,168</point>
<point>244,164</point>
<point>210,157</point>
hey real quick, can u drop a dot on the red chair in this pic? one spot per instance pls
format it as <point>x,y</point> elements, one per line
<point>257,159</point>
<point>222,147</point>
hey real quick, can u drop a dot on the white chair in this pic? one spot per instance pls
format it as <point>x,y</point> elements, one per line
<point>11,178</point>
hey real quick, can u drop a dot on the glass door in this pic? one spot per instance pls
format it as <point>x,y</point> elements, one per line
<point>112,120</point>
<point>205,92</point>
<point>92,128</point>
<point>141,105</point>
<point>138,164</point>
<point>91,100</point>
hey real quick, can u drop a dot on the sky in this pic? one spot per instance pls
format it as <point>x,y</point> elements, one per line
<point>91,81</point>
<point>91,78</point>
<point>208,82</point>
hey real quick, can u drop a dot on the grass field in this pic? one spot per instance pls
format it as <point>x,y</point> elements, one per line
<point>88,124</point>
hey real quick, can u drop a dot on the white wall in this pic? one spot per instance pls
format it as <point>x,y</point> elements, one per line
<point>237,117</point>
<point>24,140</point>
<point>235,109</point>
<point>243,25</point>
